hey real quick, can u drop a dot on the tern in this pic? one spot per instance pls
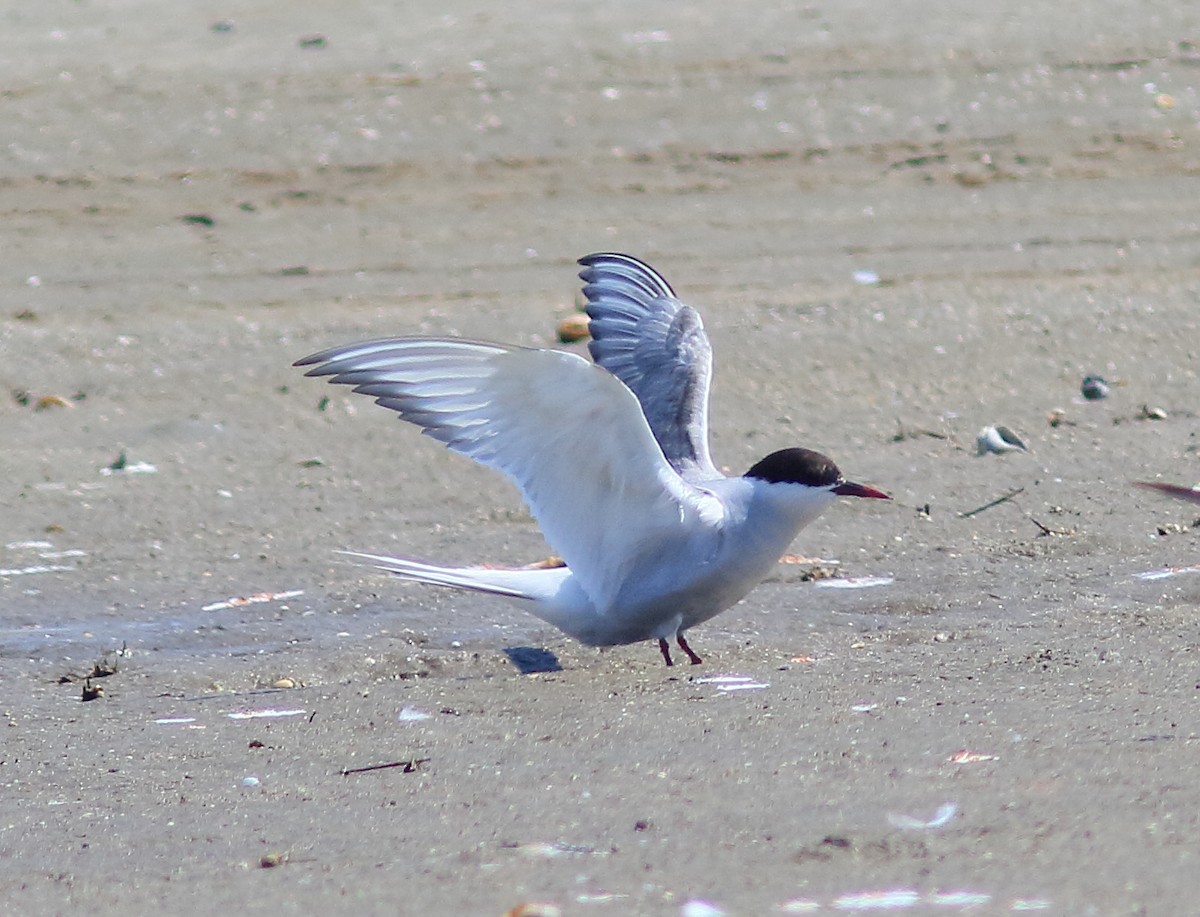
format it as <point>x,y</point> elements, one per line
<point>611,458</point>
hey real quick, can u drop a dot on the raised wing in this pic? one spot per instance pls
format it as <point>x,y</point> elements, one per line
<point>656,345</point>
<point>567,433</point>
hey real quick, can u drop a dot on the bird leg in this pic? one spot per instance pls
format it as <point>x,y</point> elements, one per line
<point>665,650</point>
<point>696,660</point>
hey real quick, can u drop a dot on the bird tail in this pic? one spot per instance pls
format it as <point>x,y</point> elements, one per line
<point>539,585</point>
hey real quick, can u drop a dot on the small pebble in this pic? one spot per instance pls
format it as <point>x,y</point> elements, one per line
<point>573,328</point>
<point>1094,388</point>
<point>51,401</point>
<point>532,909</point>
<point>1171,528</point>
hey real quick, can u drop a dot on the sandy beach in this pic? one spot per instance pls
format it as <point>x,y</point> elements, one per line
<point>900,224</point>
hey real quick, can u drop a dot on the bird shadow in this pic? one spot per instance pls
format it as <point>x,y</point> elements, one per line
<point>531,659</point>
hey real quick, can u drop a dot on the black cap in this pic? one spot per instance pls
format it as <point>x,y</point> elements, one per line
<point>796,466</point>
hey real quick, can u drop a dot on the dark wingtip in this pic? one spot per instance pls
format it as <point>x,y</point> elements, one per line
<point>589,260</point>
<point>1190,494</point>
<point>627,267</point>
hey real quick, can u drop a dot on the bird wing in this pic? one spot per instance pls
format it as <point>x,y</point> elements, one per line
<point>656,345</point>
<point>570,436</point>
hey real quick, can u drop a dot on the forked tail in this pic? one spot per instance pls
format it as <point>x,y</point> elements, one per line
<point>540,585</point>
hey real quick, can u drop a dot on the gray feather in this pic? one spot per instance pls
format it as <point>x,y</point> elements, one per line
<point>656,345</point>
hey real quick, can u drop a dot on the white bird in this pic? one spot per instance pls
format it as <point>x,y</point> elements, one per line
<point>612,459</point>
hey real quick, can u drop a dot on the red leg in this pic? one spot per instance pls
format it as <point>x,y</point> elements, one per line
<point>696,660</point>
<point>665,650</point>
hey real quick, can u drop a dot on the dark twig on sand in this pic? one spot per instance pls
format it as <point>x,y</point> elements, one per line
<point>1046,530</point>
<point>1004,499</point>
<point>409,766</point>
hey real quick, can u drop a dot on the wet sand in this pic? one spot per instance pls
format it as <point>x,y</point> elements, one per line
<point>900,225</point>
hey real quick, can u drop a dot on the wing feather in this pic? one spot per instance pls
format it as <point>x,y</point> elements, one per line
<point>571,437</point>
<point>657,346</point>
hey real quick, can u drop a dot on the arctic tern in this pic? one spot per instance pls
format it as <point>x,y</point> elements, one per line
<point>611,457</point>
